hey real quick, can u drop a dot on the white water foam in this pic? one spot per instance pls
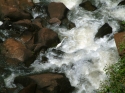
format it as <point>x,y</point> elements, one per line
<point>70,4</point>
<point>1,22</point>
<point>84,58</point>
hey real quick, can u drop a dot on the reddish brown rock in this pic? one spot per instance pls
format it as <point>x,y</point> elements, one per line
<point>29,89</point>
<point>46,83</point>
<point>25,25</point>
<point>14,14</point>
<point>12,62</point>
<point>27,21</point>
<point>120,42</point>
<point>104,30</point>
<point>24,4</point>
<point>88,6</point>
<point>16,50</point>
<point>56,10</point>
<point>38,22</point>
<point>28,39</point>
<point>55,20</point>
<point>14,9</point>
<point>46,38</point>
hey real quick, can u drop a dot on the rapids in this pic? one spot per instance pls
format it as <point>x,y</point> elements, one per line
<point>84,58</point>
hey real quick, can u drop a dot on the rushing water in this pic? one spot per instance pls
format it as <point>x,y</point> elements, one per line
<point>84,58</point>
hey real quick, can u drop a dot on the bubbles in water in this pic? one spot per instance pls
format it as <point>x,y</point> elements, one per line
<point>84,58</point>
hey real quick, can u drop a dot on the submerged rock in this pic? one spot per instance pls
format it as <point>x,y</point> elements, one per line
<point>104,30</point>
<point>88,6</point>
<point>44,83</point>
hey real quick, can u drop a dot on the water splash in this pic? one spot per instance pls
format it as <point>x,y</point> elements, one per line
<point>84,58</point>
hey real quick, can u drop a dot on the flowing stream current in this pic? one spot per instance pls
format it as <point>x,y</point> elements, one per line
<point>84,58</point>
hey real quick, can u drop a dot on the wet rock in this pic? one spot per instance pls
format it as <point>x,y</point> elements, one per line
<point>38,22</point>
<point>10,90</point>
<point>25,25</point>
<point>120,42</point>
<point>56,12</point>
<point>13,62</point>
<point>24,4</point>
<point>44,22</point>
<point>14,9</point>
<point>13,14</point>
<point>54,20</point>
<point>28,39</point>
<point>122,3</point>
<point>46,38</point>
<point>29,89</point>
<point>26,36</point>
<point>104,30</point>
<point>46,83</point>
<point>14,49</point>
<point>88,6</point>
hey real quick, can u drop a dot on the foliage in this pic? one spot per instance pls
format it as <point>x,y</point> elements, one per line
<point>123,22</point>
<point>116,78</point>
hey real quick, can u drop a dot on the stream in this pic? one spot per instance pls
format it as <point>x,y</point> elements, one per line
<point>84,58</point>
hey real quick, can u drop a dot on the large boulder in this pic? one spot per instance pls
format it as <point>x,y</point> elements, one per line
<point>46,38</point>
<point>15,9</point>
<point>104,30</point>
<point>44,83</point>
<point>14,49</point>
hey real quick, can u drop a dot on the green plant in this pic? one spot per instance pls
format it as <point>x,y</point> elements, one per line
<point>122,46</point>
<point>123,22</point>
<point>116,78</point>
